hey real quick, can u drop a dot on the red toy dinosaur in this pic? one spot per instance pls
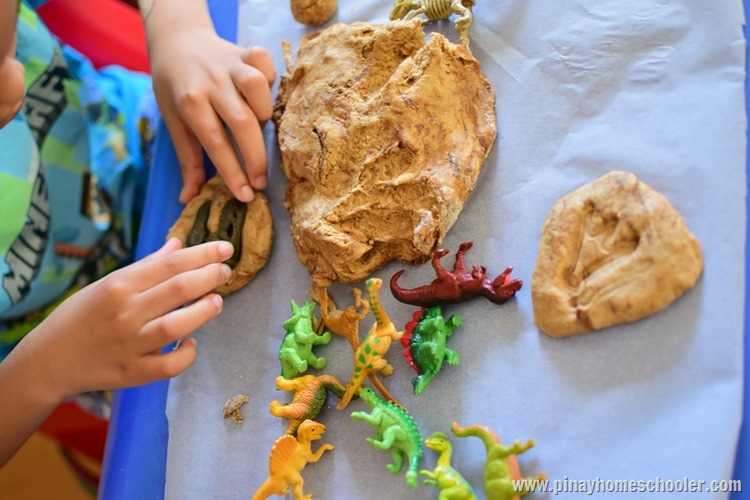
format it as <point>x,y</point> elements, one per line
<point>459,285</point>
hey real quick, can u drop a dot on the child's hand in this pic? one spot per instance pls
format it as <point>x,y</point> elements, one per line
<point>110,334</point>
<point>203,82</point>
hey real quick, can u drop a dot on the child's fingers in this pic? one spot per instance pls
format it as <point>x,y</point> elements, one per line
<point>180,323</point>
<point>171,364</point>
<point>149,273</point>
<point>189,155</point>
<point>209,130</point>
<point>169,246</point>
<point>254,88</point>
<point>181,289</point>
<point>258,57</point>
<point>247,133</point>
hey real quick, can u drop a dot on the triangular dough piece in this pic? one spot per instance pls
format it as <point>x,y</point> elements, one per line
<point>612,251</point>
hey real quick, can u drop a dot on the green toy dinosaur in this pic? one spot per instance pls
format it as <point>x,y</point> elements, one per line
<point>501,469</point>
<point>396,430</point>
<point>452,484</point>
<point>424,344</point>
<point>295,352</point>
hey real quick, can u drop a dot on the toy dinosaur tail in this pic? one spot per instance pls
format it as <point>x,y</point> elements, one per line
<point>332,384</point>
<point>406,338</point>
<point>380,387</point>
<point>267,489</point>
<point>488,437</point>
<point>351,390</point>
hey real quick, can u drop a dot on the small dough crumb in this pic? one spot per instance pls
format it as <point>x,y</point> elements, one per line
<point>231,408</point>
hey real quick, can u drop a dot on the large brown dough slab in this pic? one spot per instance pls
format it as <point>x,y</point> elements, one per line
<point>382,137</point>
<point>612,251</point>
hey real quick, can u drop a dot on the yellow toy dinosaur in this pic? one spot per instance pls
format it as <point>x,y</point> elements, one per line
<point>288,457</point>
<point>369,356</point>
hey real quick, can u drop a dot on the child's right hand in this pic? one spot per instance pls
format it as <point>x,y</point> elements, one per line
<point>109,335</point>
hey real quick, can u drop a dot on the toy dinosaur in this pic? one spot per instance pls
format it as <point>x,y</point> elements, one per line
<point>453,486</point>
<point>288,457</point>
<point>369,356</point>
<point>457,286</point>
<point>342,322</point>
<point>435,10</point>
<point>396,430</point>
<point>501,469</point>
<point>424,344</point>
<point>295,352</point>
<point>310,394</point>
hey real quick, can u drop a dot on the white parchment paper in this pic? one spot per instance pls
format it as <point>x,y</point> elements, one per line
<point>583,87</point>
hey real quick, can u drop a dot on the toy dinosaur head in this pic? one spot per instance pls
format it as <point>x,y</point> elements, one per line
<point>438,442</point>
<point>311,430</point>
<point>369,396</point>
<point>374,284</point>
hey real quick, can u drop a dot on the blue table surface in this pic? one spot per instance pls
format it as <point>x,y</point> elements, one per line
<point>135,459</point>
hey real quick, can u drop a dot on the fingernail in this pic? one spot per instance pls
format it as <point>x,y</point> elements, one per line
<point>246,194</point>
<point>226,250</point>
<point>218,302</point>
<point>260,182</point>
<point>183,195</point>
<point>227,271</point>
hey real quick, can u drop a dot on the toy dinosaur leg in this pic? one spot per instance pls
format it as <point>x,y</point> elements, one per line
<point>501,489</point>
<point>460,265</point>
<point>451,357</point>
<point>442,273</point>
<point>316,362</point>
<point>462,23</point>
<point>382,366</point>
<point>516,448</point>
<point>458,492</point>
<point>298,484</point>
<point>398,461</point>
<point>390,435</point>
<point>359,302</point>
<point>530,484</point>
<point>292,364</point>
<point>283,384</point>
<point>414,13</point>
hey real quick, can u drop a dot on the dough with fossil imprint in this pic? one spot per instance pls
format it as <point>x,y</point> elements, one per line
<point>612,251</point>
<point>382,136</point>
<point>215,214</point>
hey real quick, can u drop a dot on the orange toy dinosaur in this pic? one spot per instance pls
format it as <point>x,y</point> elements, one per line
<point>310,394</point>
<point>288,457</point>
<point>342,322</point>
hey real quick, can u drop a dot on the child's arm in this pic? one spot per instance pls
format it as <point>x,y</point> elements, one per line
<point>109,335</point>
<point>203,82</point>
<point>11,71</point>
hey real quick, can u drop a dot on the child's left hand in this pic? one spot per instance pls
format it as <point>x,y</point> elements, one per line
<point>109,335</point>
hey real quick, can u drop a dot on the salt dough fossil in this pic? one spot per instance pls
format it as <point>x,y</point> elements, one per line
<point>382,136</point>
<point>216,215</point>
<point>612,251</point>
